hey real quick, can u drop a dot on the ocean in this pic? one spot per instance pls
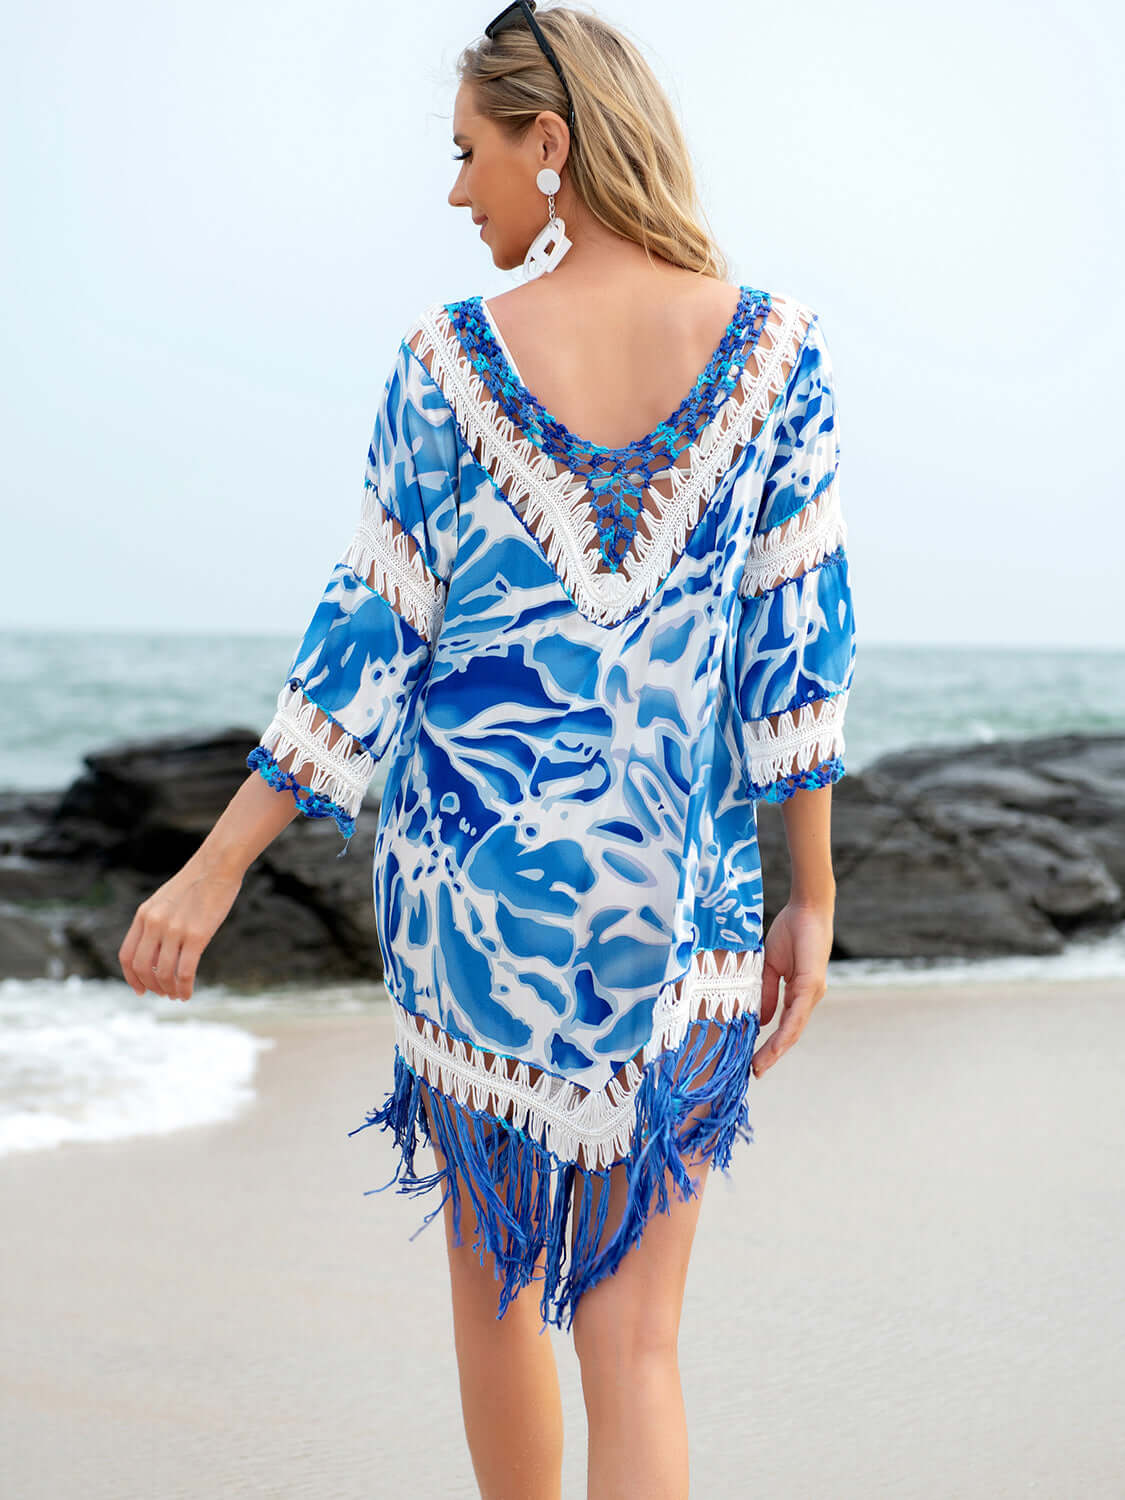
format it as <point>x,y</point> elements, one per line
<point>90,1061</point>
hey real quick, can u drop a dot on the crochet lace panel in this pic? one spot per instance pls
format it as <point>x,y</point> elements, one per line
<point>612,522</point>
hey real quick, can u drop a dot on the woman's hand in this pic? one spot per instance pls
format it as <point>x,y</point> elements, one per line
<point>796,949</point>
<point>171,929</point>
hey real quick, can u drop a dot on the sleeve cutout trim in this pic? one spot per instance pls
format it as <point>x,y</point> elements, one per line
<point>390,562</point>
<point>803,540</point>
<point>340,771</point>
<point>795,740</point>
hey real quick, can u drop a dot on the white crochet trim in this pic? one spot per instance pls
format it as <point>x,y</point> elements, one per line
<point>341,771</point>
<point>554,502</point>
<point>719,985</point>
<point>386,557</point>
<point>800,738</point>
<point>814,533</point>
<point>567,1118</point>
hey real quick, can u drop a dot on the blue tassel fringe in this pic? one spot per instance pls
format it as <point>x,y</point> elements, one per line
<point>523,1194</point>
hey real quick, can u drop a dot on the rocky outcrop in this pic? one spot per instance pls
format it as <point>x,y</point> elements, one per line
<point>963,850</point>
<point>74,869</point>
<point>971,850</point>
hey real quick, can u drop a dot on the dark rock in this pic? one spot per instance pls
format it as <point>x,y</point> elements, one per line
<point>971,850</point>
<point>28,947</point>
<point>146,806</point>
<point>907,888</point>
<point>1054,867</point>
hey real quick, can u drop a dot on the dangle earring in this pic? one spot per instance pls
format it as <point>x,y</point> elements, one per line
<point>539,258</point>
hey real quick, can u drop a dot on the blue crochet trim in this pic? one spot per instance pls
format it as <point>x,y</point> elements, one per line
<point>816,776</point>
<point>315,805</point>
<point>616,478</point>
<point>524,1195</point>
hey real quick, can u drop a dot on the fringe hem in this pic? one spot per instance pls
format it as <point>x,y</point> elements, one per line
<point>524,1194</point>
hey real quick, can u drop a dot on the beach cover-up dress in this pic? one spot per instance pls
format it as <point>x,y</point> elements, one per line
<point>585,667</point>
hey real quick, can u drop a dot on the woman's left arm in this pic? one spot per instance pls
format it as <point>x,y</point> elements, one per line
<point>799,939</point>
<point>793,664</point>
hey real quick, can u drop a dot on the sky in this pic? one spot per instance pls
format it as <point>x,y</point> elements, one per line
<point>219,220</point>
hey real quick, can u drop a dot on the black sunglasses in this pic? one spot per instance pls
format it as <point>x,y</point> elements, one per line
<point>511,15</point>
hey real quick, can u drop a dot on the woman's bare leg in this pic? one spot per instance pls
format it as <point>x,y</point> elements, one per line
<point>510,1397</point>
<point>626,1334</point>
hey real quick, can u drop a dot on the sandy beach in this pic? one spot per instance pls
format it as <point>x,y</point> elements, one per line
<point>910,1285</point>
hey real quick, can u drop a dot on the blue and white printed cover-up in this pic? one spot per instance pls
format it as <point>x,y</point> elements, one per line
<point>587,666</point>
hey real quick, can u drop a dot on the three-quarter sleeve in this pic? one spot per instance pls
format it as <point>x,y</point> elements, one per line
<point>371,638</point>
<point>795,644</point>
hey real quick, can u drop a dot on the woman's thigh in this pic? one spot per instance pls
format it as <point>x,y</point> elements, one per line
<point>475,1286</point>
<point>637,1309</point>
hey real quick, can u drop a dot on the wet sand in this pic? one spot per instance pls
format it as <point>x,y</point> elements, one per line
<point>910,1286</point>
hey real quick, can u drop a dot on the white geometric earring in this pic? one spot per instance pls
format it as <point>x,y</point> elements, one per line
<point>550,244</point>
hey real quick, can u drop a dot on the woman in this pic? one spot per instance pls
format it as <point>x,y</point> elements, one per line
<point>590,656</point>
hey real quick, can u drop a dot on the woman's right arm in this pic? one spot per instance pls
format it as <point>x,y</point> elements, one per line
<point>365,652</point>
<point>170,930</point>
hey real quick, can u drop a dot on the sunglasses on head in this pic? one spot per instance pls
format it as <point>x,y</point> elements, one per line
<point>521,10</point>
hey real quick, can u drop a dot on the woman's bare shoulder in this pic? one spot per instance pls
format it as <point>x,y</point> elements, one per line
<point>687,300</point>
<point>675,282</point>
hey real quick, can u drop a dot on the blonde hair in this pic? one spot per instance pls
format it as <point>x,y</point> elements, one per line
<point>628,160</point>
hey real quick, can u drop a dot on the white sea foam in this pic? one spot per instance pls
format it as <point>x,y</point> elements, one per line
<point>83,1061</point>
<point>88,1060</point>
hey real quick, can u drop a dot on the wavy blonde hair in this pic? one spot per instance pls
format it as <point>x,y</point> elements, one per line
<point>628,160</point>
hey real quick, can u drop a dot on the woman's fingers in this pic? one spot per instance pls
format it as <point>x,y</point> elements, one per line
<point>801,995</point>
<point>133,955</point>
<point>185,970</point>
<point>148,955</point>
<point>771,977</point>
<point>125,957</point>
<point>797,948</point>
<point>176,962</point>
<point>164,967</point>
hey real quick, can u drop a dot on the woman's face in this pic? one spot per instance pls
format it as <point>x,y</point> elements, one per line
<point>496,178</point>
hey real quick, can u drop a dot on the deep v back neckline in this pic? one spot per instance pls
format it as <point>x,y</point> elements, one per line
<point>611,522</point>
<point>483,342</point>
